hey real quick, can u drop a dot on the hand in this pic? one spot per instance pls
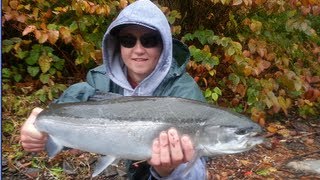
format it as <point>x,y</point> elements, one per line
<point>169,151</point>
<point>31,139</point>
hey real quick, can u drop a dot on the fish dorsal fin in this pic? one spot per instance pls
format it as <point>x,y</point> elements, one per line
<point>102,164</point>
<point>100,96</point>
<point>53,146</point>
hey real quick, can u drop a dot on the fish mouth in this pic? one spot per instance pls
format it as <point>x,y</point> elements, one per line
<point>232,140</point>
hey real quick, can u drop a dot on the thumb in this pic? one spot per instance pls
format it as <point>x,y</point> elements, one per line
<point>33,116</point>
<point>28,128</point>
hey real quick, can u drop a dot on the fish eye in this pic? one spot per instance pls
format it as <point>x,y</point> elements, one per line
<point>243,131</point>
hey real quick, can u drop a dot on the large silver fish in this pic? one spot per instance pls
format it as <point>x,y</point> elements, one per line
<point>125,127</point>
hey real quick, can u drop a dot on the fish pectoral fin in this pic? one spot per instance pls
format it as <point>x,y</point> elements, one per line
<point>53,147</point>
<point>102,164</point>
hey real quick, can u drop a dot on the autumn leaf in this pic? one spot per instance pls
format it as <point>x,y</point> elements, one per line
<point>13,4</point>
<point>252,46</point>
<point>45,63</point>
<point>29,29</point>
<point>21,18</point>
<point>65,34</point>
<point>284,104</point>
<point>261,66</point>
<point>236,2</point>
<point>43,37</point>
<point>258,116</point>
<point>123,4</point>
<point>53,36</point>
<point>255,26</point>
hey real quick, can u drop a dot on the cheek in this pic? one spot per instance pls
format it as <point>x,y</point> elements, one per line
<point>124,53</point>
<point>155,53</point>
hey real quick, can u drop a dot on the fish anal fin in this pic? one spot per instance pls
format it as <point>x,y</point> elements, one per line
<point>53,147</point>
<point>102,164</point>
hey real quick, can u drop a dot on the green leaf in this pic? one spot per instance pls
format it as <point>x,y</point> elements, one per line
<point>230,51</point>
<point>263,172</point>
<point>217,90</point>
<point>22,54</point>
<point>41,94</point>
<point>215,96</point>
<point>44,78</point>
<point>52,26</point>
<point>7,42</point>
<point>33,57</point>
<point>6,73</point>
<point>73,26</point>
<point>45,63</point>
<point>207,93</point>
<point>7,49</point>
<point>58,63</point>
<point>7,127</point>
<point>33,71</point>
<point>17,77</point>
<point>234,78</point>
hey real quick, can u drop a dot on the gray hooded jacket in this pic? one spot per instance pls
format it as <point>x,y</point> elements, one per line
<point>169,78</point>
<point>147,14</point>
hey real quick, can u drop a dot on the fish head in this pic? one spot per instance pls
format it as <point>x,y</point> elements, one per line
<point>229,137</point>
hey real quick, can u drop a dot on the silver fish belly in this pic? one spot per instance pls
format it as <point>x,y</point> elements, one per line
<point>125,127</point>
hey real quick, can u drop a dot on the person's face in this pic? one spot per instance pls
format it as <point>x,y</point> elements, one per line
<point>140,49</point>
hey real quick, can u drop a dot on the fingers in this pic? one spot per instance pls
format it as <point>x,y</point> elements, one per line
<point>175,147</point>
<point>187,147</point>
<point>32,117</point>
<point>155,157</point>
<point>164,149</point>
<point>31,139</point>
<point>171,150</point>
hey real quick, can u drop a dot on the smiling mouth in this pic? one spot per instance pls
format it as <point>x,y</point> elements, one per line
<point>139,59</point>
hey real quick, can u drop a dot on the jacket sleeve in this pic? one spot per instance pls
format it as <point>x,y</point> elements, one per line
<point>197,171</point>
<point>78,92</point>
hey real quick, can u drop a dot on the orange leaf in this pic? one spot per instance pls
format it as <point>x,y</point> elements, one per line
<point>206,48</point>
<point>236,2</point>
<point>272,129</point>
<point>196,78</point>
<point>241,89</point>
<point>65,34</point>
<point>43,26</point>
<point>22,18</point>
<point>53,36</point>
<point>28,30</point>
<point>14,4</point>
<point>255,26</point>
<point>43,38</point>
<point>205,82</point>
<point>123,4</point>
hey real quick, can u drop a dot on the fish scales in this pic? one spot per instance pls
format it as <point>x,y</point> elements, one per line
<point>126,127</point>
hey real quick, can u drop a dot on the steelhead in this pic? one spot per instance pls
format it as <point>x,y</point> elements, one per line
<point>125,127</point>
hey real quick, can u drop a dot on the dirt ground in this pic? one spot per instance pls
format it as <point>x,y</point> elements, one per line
<point>297,140</point>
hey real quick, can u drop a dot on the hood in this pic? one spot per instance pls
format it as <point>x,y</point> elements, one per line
<point>145,13</point>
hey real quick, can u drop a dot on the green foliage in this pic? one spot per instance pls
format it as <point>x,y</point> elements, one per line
<point>212,95</point>
<point>263,58</point>
<point>265,61</point>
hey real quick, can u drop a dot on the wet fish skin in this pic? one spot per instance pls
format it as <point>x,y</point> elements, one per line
<point>126,127</point>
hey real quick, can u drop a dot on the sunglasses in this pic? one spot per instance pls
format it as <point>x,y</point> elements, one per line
<point>147,40</point>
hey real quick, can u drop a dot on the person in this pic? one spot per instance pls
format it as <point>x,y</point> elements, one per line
<point>140,59</point>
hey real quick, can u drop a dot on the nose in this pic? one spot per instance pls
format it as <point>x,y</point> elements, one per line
<point>138,48</point>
